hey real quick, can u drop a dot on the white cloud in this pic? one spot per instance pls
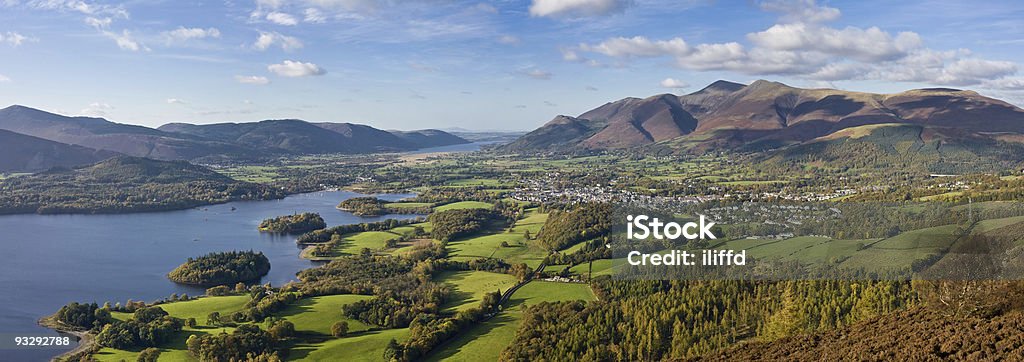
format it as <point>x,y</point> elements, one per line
<point>314,15</point>
<point>182,34</point>
<point>97,109</point>
<point>536,74</point>
<point>252,79</point>
<point>814,52</point>
<point>801,10</point>
<point>125,40</point>
<point>637,46</point>
<point>175,101</point>
<point>280,18</point>
<point>267,40</point>
<point>79,6</point>
<point>99,23</point>
<point>508,39</point>
<point>4,79</point>
<point>290,68</point>
<point>14,39</point>
<point>871,44</point>
<point>673,83</point>
<point>577,8</point>
<point>1005,84</point>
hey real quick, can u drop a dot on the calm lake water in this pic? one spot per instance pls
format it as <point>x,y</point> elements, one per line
<point>50,260</point>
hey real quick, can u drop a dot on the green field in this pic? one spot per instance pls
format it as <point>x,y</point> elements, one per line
<point>464,205</point>
<point>367,346</point>
<point>175,350</point>
<point>901,250</point>
<point>373,240</point>
<point>470,286</point>
<point>600,267</point>
<point>488,244</point>
<point>318,314</point>
<point>484,342</point>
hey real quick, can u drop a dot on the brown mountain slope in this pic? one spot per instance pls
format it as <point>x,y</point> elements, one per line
<point>916,335</point>
<point>765,115</point>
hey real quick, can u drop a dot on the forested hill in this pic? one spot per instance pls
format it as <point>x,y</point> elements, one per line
<point>125,184</point>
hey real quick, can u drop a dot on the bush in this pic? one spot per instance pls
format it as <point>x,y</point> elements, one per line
<point>149,355</point>
<point>339,329</point>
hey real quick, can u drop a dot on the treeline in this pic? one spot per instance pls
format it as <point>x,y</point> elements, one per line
<point>125,184</point>
<point>148,327</point>
<point>450,224</point>
<point>565,228</point>
<point>430,330</point>
<point>298,223</point>
<point>222,268</point>
<point>654,320</point>
<point>246,343</point>
<point>323,236</point>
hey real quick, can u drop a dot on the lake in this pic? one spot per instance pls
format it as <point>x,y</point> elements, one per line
<point>50,260</point>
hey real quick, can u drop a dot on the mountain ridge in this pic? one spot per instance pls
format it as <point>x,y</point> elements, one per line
<point>763,115</point>
<point>215,142</point>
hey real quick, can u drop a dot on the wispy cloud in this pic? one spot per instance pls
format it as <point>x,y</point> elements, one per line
<point>293,69</point>
<point>266,40</point>
<point>252,79</point>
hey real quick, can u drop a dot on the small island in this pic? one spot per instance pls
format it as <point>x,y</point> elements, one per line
<point>293,224</point>
<point>222,268</point>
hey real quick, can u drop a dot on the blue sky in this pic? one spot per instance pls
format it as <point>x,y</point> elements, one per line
<point>478,64</point>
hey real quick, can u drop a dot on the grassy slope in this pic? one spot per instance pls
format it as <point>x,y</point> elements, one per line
<point>485,342</point>
<point>368,346</point>
<point>464,205</point>
<point>489,245</point>
<point>196,308</point>
<point>470,286</point>
<point>314,315</point>
<point>318,314</point>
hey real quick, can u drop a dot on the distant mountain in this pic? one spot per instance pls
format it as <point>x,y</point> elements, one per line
<point>301,137</point>
<point>765,115</point>
<point>429,138</point>
<point>214,142</point>
<point>276,136</point>
<point>369,138</point>
<point>98,133</point>
<point>23,153</point>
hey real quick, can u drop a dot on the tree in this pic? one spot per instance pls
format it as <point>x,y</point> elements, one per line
<point>149,355</point>
<point>282,330</point>
<point>213,319</point>
<point>340,329</point>
<point>393,351</point>
<point>191,322</point>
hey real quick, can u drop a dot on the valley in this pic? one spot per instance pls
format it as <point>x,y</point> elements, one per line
<point>488,254</point>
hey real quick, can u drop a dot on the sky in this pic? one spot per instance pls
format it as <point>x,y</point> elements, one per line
<point>482,65</point>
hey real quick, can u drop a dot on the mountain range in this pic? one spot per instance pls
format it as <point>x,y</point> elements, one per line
<point>767,115</point>
<point>40,140</point>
